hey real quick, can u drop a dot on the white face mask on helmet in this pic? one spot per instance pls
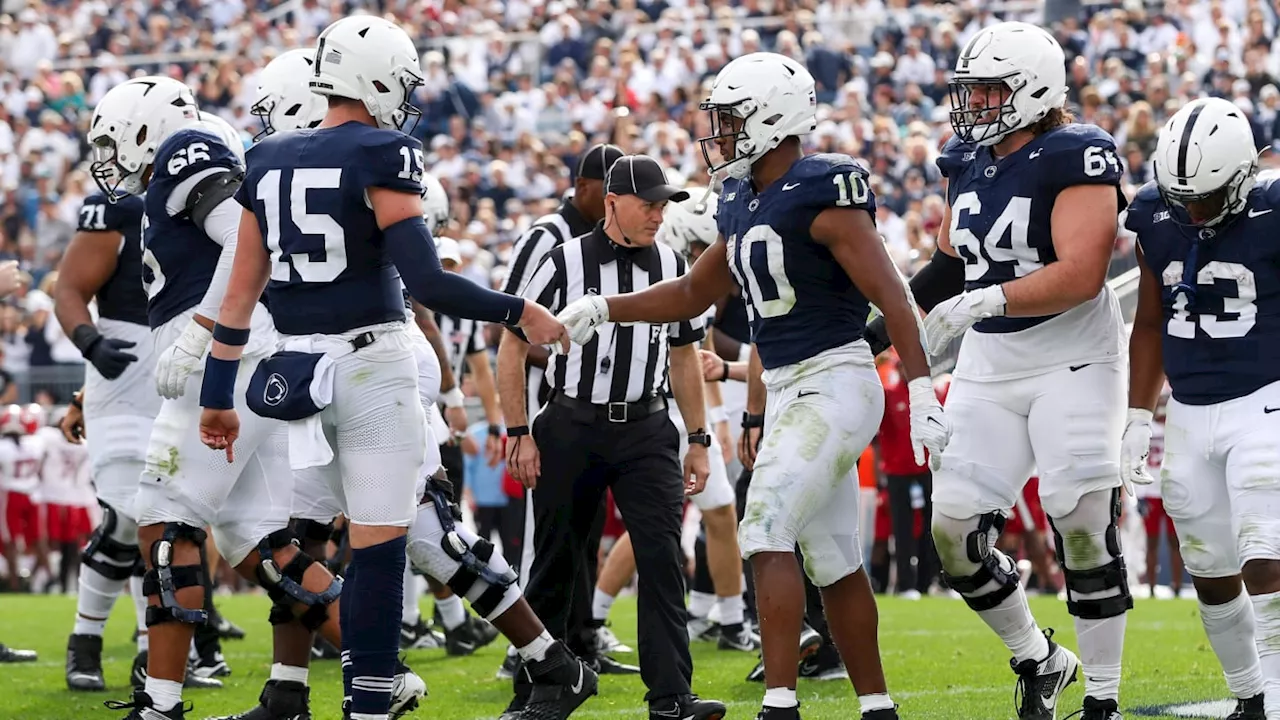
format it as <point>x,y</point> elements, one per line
<point>1022,66</point>
<point>435,203</point>
<point>683,225</point>
<point>128,126</point>
<point>768,97</point>
<point>285,101</point>
<point>230,136</point>
<point>371,60</point>
<point>1205,155</point>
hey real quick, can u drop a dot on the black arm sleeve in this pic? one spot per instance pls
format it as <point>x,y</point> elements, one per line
<point>941,279</point>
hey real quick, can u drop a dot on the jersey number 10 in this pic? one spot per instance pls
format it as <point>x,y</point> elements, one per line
<point>294,250</point>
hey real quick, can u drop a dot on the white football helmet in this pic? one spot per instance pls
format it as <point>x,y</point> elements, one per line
<point>372,60</point>
<point>683,225</point>
<point>285,101</point>
<point>771,96</point>
<point>1024,58</point>
<point>129,124</point>
<point>230,136</point>
<point>1206,149</point>
<point>435,203</point>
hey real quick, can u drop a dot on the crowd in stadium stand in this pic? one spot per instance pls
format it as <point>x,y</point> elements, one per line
<point>516,90</point>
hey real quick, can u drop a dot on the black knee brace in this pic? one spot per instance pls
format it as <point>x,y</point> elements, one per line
<point>1111,576</point>
<point>472,559</point>
<point>165,579</point>
<point>978,548</point>
<point>311,532</point>
<point>106,555</point>
<point>284,586</point>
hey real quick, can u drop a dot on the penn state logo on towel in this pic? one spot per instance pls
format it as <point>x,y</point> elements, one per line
<point>277,389</point>
<point>291,385</point>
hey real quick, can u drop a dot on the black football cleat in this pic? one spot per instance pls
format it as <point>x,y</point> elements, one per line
<point>279,700</point>
<point>1249,709</point>
<point>84,663</point>
<point>141,707</point>
<point>561,683</point>
<point>686,707</point>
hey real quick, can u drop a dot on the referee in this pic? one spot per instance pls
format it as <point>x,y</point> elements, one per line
<point>606,426</point>
<point>576,216</point>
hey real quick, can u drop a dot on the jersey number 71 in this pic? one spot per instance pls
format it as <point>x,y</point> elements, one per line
<point>293,249</point>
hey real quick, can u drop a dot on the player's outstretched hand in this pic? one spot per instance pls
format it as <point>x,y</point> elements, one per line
<point>697,468</point>
<point>1135,445</point>
<point>583,316</point>
<point>180,359</point>
<point>541,327</point>
<point>930,428</point>
<point>10,278</point>
<point>951,318</point>
<point>219,430</point>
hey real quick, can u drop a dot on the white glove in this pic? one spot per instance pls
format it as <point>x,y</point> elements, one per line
<point>181,359</point>
<point>948,320</point>
<point>930,428</point>
<point>1135,445</point>
<point>583,316</point>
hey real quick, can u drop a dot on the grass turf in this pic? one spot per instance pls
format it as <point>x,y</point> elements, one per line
<point>941,662</point>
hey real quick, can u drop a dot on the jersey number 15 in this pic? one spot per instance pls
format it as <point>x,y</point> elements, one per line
<point>294,249</point>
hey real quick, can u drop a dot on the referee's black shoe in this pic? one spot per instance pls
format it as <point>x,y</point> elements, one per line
<point>561,683</point>
<point>605,665</point>
<point>685,707</point>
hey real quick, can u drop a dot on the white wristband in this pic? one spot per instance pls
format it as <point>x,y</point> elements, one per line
<point>453,398</point>
<point>717,415</point>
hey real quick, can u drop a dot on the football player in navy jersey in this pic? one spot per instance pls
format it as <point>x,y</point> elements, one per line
<point>146,135</point>
<point>329,217</point>
<point>104,261</point>
<point>1209,310</point>
<point>797,235</point>
<point>1020,273</point>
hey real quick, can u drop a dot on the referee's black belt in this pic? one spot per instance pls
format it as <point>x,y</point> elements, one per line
<point>615,412</point>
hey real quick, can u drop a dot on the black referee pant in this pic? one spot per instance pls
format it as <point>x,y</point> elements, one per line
<point>582,454</point>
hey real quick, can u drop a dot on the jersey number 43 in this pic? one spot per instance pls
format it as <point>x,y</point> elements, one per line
<point>295,250</point>
<point>1239,312</point>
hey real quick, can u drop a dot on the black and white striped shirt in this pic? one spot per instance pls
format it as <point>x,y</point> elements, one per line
<point>546,233</point>
<point>462,337</point>
<point>623,363</point>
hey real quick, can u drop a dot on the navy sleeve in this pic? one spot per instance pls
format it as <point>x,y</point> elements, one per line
<point>392,160</point>
<point>828,184</point>
<point>99,215</point>
<point>414,254</point>
<point>1142,210</point>
<point>188,152</point>
<point>1080,155</point>
<point>951,157</point>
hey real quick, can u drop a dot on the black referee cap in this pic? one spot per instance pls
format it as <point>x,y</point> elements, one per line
<point>642,176</point>
<point>595,164</point>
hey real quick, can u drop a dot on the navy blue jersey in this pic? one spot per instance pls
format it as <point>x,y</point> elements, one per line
<point>122,296</point>
<point>330,271</point>
<point>1002,210</point>
<point>799,300</point>
<point>178,258</point>
<point>1224,342</point>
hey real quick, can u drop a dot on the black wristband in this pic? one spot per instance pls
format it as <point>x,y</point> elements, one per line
<point>517,431</point>
<point>725,376</point>
<point>85,337</point>
<point>495,430</point>
<point>235,337</point>
<point>752,421</point>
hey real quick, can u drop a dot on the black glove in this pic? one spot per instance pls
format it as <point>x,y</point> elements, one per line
<point>106,354</point>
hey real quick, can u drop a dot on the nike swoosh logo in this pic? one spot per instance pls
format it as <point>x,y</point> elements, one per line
<point>577,687</point>
<point>1035,154</point>
<point>793,186</point>
<point>1269,410</point>
<point>935,421</point>
<point>1074,368</point>
<point>806,393</point>
<point>1257,213</point>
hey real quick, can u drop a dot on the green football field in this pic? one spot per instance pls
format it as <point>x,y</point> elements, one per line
<point>941,661</point>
